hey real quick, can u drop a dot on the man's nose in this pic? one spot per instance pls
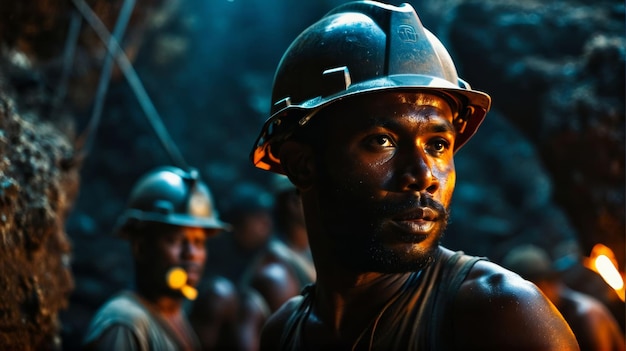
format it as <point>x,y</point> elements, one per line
<point>417,172</point>
<point>189,249</point>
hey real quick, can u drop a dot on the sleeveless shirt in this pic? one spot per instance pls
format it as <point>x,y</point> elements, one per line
<point>130,325</point>
<point>412,319</point>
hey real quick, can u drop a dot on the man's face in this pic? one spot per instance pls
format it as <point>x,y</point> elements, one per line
<point>171,247</point>
<point>385,178</point>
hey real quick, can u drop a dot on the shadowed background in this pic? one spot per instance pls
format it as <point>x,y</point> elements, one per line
<point>547,165</point>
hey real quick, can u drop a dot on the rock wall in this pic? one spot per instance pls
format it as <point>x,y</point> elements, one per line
<point>38,184</point>
<point>40,107</point>
<point>556,71</point>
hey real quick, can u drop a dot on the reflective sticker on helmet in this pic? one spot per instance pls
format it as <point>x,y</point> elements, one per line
<point>199,205</point>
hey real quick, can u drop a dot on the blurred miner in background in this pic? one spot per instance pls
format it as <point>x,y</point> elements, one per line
<point>289,219</point>
<point>266,257</point>
<point>170,215</point>
<point>248,208</point>
<point>286,267</point>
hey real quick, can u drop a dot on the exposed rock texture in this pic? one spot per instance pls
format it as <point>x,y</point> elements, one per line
<point>556,71</point>
<point>38,184</point>
<point>39,165</point>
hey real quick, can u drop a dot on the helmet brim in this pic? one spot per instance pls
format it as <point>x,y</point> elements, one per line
<point>133,215</point>
<point>477,103</point>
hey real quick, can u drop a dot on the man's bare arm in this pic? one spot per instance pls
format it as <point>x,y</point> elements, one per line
<point>498,310</point>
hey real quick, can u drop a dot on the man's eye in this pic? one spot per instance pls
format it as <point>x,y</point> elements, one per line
<point>381,141</point>
<point>173,239</point>
<point>199,242</point>
<point>439,145</point>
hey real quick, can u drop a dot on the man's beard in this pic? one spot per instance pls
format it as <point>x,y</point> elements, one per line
<point>379,258</point>
<point>363,248</point>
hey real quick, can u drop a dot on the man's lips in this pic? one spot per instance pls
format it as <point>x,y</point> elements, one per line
<point>419,221</point>
<point>420,214</point>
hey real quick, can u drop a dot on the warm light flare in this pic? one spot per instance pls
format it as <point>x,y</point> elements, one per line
<point>602,261</point>
<point>608,271</point>
<point>177,280</point>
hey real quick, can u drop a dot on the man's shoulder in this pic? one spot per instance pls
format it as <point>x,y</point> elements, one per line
<point>500,301</point>
<point>485,280</point>
<point>123,305</point>
<point>117,315</point>
<point>278,322</point>
<point>280,318</point>
<point>123,309</point>
<point>489,275</point>
<point>489,283</point>
<point>125,323</point>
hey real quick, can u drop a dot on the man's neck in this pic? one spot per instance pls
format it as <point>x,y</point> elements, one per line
<point>169,309</point>
<point>166,305</point>
<point>347,303</point>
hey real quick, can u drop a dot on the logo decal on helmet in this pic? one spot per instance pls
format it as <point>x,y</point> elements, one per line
<point>407,33</point>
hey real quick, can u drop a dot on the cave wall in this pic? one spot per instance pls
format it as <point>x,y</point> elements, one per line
<point>556,72</point>
<point>38,184</point>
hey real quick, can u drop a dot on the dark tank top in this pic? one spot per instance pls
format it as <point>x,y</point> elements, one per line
<point>413,319</point>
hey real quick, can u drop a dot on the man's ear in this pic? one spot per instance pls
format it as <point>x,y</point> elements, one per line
<point>297,162</point>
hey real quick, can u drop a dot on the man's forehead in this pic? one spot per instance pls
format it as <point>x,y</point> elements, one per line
<point>164,231</point>
<point>425,99</point>
<point>386,105</point>
<point>390,99</point>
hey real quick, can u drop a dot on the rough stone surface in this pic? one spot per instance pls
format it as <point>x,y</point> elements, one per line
<point>38,184</point>
<point>556,72</point>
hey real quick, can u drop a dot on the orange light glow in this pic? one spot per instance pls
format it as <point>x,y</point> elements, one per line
<point>602,261</point>
<point>177,280</point>
<point>608,271</point>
